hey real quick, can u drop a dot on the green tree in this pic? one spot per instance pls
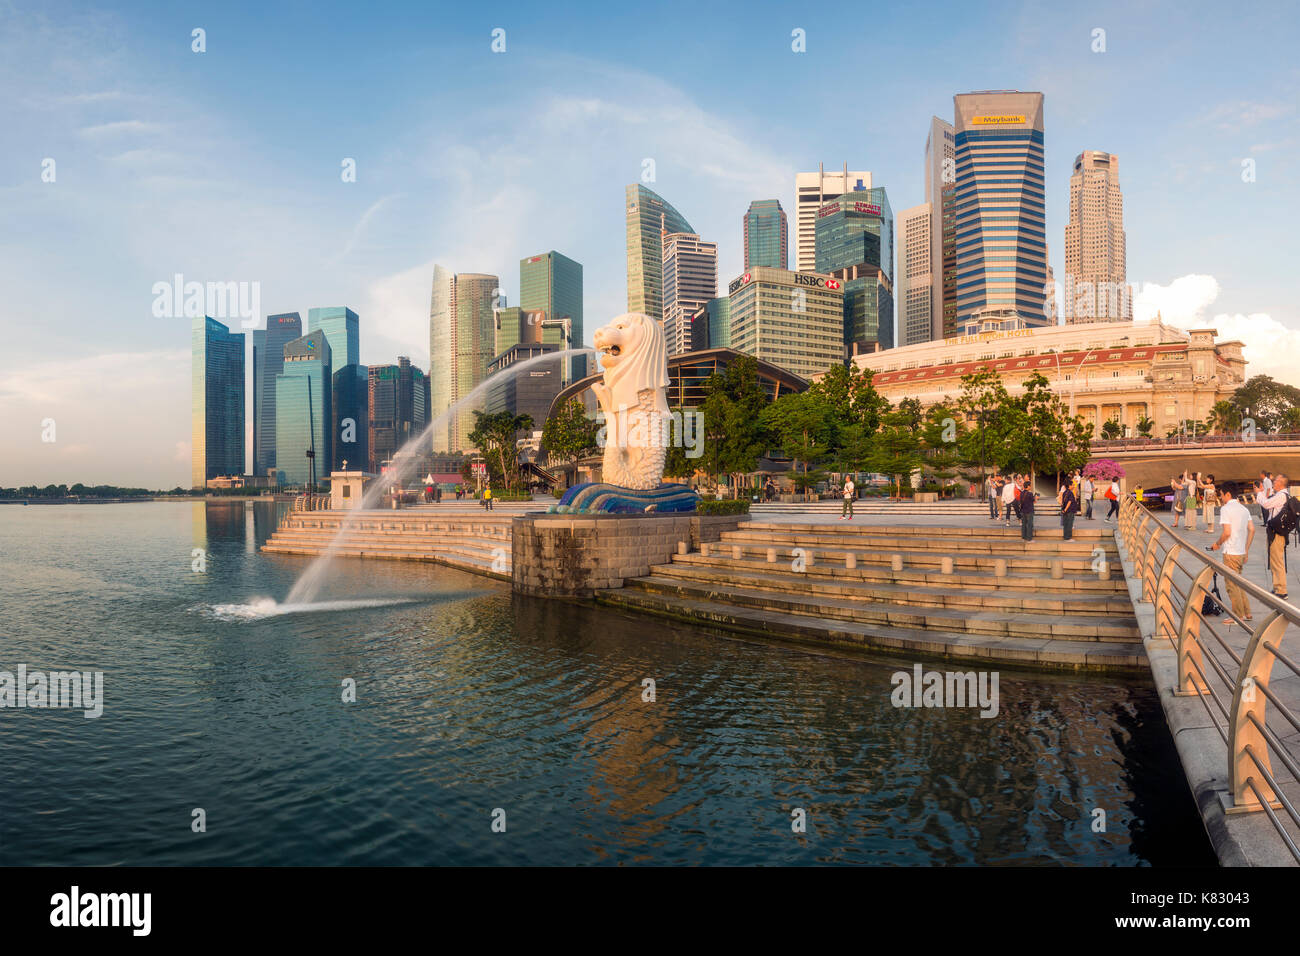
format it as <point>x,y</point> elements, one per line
<point>1110,429</point>
<point>801,424</point>
<point>569,434</point>
<point>1265,401</point>
<point>897,444</point>
<point>495,435</point>
<point>1145,425</point>
<point>734,434</point>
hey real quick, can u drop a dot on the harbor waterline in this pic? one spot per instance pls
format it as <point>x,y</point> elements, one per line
<point>473,704</point>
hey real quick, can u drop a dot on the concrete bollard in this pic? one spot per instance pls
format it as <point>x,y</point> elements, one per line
<point>809,559</point>
<point>1000,568</point>
<point>1103,573</point>
<point>681,547</point>
<point>704,549</point>
<point>1058,569</point>
<point>896,562</point>
<point>771,555</point>
<point>850,561</point>
<point>735,552</point>
<point>945,565</point>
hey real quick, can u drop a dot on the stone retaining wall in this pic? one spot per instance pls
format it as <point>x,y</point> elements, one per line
<point>577,555</point>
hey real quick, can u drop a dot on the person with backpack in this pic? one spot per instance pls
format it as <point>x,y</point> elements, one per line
<point>1280,523</point>
<point>1069,508</point>
<point>1112,495</point>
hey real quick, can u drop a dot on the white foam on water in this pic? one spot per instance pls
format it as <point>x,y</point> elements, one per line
<point>260,608</point>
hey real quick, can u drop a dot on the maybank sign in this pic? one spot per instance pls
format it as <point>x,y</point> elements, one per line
<point>1006,120</point>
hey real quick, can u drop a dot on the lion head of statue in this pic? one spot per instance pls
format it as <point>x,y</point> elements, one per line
<point>634,355</point>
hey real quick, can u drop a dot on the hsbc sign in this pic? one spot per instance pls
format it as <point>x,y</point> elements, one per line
<point>803,278</point>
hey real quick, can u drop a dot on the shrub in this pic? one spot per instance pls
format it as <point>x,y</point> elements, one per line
<point>723,506</point>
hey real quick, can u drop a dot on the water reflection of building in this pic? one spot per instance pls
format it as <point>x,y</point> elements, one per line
<point>1118,371</point>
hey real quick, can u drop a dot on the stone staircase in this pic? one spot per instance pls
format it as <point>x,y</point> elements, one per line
<point>977,593</point>
<point>1046,507</point>
<point>478,542</point>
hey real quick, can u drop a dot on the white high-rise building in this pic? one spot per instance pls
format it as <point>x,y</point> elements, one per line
<point>940,184</point>
<point>690,279</point>
<point>811,191</point>
<point>1096,287</point>
<point>914,301</point>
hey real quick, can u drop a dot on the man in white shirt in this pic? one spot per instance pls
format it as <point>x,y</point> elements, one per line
<point>1263,490</point>
<point>1238,534</point>
<point>991,491</point>
<point>1271,505</point>
<point>850,492</point>
<point>1008,500</point>
<point>1087,497</point>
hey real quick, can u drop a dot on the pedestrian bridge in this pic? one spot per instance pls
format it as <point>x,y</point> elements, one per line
<point>1150,462</point>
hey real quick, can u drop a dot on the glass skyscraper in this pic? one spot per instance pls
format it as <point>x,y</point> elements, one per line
<point>303,410</point>
<point>999,204</point>
<point>216,401</point>
<point>855,243</point>
<point>342,329</point>
<point>268,362</point>
<point>767,235</point>
<point>553,283</point>
<point>348,385</point>
<point>462,341</point>
<point>649,217</point>
<point>397,409</point>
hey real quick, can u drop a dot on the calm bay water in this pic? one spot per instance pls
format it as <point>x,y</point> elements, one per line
<point>469,700</point>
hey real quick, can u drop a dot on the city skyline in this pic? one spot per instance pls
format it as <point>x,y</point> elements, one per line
<point>152,203</point>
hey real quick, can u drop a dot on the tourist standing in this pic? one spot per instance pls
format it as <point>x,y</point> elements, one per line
<point>1273,505</point>
<point>1026,508</point>
<point>1238,533</point>
<point>487,498</point>
<point>1088,489</point>
<point>991,489</point>
<point>1180,498</point>
<point>1264,489</point>
<point>1008,498</point>
<point>1190,484</point>
<point>849,492</point>
<point>1208,496</point>
<point>1069,508</point>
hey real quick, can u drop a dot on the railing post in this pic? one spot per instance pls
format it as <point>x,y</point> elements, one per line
<point>1149,570</point>
<point>1191,664</point>
<point>1162,600</point>
<point>1249,700</point>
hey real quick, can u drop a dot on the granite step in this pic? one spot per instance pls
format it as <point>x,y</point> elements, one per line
<point>970,649</point>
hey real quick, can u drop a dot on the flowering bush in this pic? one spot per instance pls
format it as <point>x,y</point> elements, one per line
<point>1104,469</point>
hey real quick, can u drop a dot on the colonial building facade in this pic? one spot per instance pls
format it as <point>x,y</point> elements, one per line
<point>1122,372</point>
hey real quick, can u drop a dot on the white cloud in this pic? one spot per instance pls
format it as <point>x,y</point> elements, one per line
<point>1270,348</point>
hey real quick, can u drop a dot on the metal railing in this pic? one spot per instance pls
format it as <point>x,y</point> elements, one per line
<point>311,502</point>
<point>1179,441</point>
<point>1232,683</point>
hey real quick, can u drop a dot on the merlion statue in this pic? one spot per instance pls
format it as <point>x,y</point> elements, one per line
<point>634,400</point>
<point>638,428</point>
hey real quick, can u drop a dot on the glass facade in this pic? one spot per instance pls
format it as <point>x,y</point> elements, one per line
<point>856,228</point>
<point>397,409</point>
<point>462,341</point>
<point>999,206</point>
<point>216,401</point>
<point>791,319</point>
<point>303,412</point>
<point>350,414</point>
<point>767,235</point>
<point>648,217</point>
<point>268,362</point>
<point>553,283</point>
<point>342,329</point>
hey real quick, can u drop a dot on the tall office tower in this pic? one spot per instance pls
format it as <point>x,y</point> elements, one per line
<point>711,325</point>
<point>648,218</point>
<point>516,326</point>
<point>690,277</point>
<point>396,407</point>
<point>216,401</point>
<point>854,242</point>
<point>462,340</point>
<point>268,361</point>
<point>940,185</point>
<point>552,283</point>
<point>916,311</point>
<point>1096,289</point>
<point>767,235</point>
<point>1001,231</point>
<point>791,319</point>
<point>341,328</point>
<point>812,191</point>
<point>303,410</point>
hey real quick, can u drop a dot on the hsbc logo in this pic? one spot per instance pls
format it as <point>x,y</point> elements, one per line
<point>832,283</point>
<point>815,281</point>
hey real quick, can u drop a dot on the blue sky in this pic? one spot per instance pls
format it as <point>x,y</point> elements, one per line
<point>225,165</point>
